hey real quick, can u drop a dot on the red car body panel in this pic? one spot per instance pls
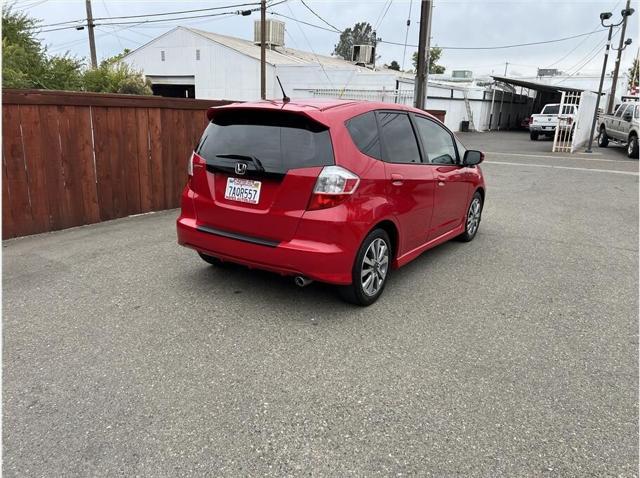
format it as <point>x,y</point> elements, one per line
<point>423,204</point>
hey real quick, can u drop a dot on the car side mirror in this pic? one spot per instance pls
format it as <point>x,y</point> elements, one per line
<point>472,157</point>
<point>627,117</point>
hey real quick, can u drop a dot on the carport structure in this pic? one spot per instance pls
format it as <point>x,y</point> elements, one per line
<point>544,93</point>
<point>572,132</point>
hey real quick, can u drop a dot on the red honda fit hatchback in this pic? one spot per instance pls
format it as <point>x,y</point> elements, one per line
<point>335,191</point>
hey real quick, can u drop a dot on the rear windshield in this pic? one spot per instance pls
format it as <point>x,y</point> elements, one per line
<point>551,110</point>
<point>278,140</point>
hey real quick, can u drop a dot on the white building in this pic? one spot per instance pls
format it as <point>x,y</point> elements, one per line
<point>195,63</point>
<point>187,62</point>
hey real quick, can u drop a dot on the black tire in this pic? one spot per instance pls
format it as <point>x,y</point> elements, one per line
<point>632,147</point>
<point>603,139</point>
<point>355,293</point>
<point>533,136</point>
<point>214,261</point>
<point>471,226</point>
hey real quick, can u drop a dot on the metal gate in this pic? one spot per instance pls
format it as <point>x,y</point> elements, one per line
<point>567,121</point>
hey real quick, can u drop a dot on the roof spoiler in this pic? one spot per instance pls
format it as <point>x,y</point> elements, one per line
<point>311,114</point>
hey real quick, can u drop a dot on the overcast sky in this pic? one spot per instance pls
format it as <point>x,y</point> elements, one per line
<point>471,23</point>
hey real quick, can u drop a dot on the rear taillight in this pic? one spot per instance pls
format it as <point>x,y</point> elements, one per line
<point>190,166</point>
<point>333,186</point>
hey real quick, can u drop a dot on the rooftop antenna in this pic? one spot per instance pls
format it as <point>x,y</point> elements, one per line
<point>285,98</point>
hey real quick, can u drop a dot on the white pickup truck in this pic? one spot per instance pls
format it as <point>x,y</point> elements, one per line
<point>545,123</point>
<point>621,127</point>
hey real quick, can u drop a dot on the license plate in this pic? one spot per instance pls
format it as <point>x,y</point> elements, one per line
<point>243,190</point>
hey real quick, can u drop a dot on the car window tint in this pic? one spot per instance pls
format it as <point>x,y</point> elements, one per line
<point>364,133</point>
<point>279,140</point>
<point>551,110</point>
<point>436,141</point>
<point>621,108</point>
<point>399,140</point>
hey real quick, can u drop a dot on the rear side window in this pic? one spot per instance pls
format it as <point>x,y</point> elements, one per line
<point>364,133</point>
<point>398,137</point>
<point>278,140</point>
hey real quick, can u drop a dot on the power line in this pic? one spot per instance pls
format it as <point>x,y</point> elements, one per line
<point>379,24</point>
<point>322,19</point>
<point>384,5</point>
<point>501,47</point>
<point>177,12</point>
<point>312,50</point>
<point>406,36</point>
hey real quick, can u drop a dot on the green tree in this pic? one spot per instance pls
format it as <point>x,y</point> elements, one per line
<point>394,66</point>
<point>361,34</point>
<point>434,56</point>
<point>25,64</point>
<point>634,73</point>
<point>113,76</point>
<point>23,58</point>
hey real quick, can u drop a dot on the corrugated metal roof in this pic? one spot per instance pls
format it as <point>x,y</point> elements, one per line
<point>280,56</point>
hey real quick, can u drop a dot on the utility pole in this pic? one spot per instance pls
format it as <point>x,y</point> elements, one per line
<point>263,51</point>
<point>506,65</point>
<point>92,39</point>
<point>603,17</point>
<point>616,69</point>
<point>604,71</point>
<point>420,91</point>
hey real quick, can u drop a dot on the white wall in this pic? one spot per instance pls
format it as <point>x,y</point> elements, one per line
<point>299,79</point>
<point>221,73</point>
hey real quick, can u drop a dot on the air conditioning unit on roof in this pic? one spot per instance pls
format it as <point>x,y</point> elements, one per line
<point>274,33</point>
<point>363,54</point>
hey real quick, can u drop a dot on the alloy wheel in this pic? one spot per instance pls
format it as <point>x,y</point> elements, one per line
<point>375,266</point>
<point>473,216</point>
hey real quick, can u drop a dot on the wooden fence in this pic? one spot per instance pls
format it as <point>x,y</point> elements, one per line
<point>78,158</point>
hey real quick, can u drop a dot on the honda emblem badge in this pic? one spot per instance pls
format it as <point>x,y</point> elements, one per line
<point>241,168</point>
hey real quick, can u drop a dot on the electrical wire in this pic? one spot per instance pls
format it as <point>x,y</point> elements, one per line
<point>322,19</point>
<point>311,48</point>
<point>516,45</point>
<point>124,17</point>
<point>379,24</point>
<point>406,36</point>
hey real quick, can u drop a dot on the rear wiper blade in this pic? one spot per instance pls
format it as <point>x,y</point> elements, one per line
<point>245,157</point>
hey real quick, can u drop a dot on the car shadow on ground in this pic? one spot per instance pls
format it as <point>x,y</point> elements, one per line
<point>276,290</point>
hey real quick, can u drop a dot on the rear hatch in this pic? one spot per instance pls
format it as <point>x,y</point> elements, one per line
<point>255,169</point>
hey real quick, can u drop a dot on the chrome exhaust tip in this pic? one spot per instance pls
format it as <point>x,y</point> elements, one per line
<point>301,281</point>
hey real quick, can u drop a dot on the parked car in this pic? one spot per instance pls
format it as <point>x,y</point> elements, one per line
<point>621,127</point>
<point>339,192</point>
<point>545,123</point>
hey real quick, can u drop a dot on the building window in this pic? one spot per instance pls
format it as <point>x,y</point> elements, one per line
<point>161,55</point>
<point>197,54</point>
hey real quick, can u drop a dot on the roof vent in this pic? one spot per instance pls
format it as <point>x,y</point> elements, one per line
<point>274,30</point>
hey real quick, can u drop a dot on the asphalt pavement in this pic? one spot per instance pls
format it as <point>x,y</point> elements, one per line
<point>513,355</point>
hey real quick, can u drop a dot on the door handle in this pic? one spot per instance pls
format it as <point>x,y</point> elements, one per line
<point>397,179</point>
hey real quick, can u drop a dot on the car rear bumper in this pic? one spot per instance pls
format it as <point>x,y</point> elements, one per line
<point>541,129</point>
<point>315,260</point>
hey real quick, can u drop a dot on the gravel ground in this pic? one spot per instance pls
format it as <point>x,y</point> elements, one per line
<point>513,355</point>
